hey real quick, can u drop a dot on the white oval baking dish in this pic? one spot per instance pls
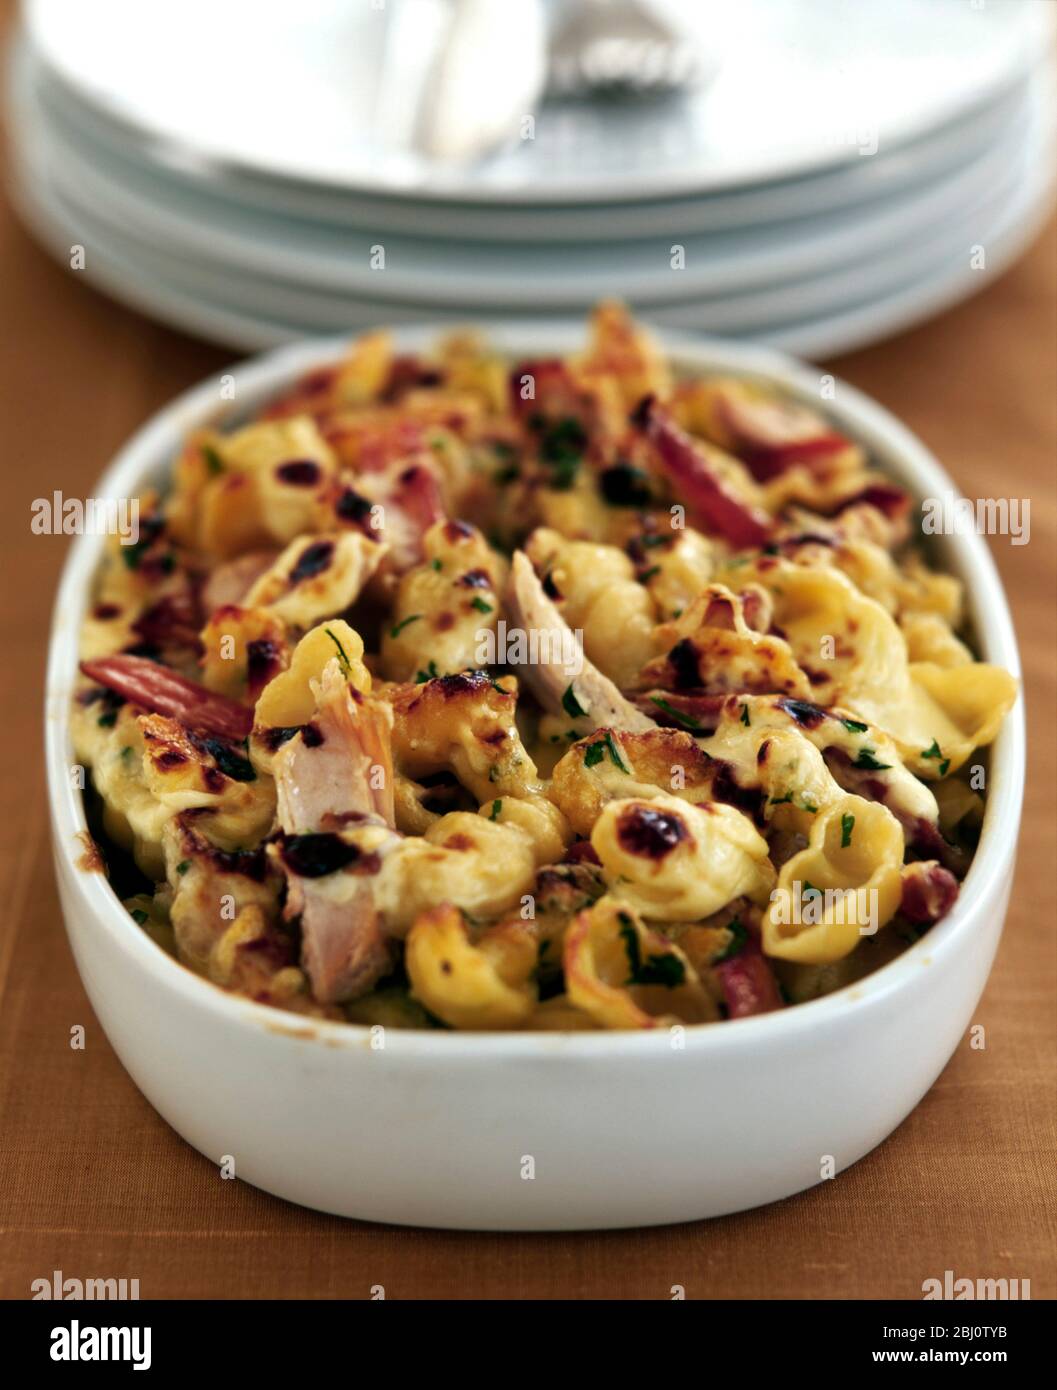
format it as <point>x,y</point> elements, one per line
<point>436,1128</point>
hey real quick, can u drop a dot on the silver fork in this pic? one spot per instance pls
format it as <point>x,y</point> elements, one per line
<point>620,48</point>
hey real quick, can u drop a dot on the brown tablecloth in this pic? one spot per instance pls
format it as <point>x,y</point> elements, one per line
<point>93,1182</point>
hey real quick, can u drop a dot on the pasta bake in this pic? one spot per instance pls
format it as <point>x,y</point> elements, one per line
<point>455,691</point>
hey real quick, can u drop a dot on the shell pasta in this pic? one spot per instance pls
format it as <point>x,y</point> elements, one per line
<point>457,691</point>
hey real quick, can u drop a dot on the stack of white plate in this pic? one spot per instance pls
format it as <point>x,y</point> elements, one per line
<point>850,169</point>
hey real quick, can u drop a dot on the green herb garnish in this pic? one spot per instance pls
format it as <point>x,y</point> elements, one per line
<point>214,462</point>
<point>937,752</point>
<point>847,825</point>
<point>561,448</point>
<point>343,659</point>
<point>595,752</point>
<point>867,759</point>
<point>570,704</point>
<point>739,936</point>
<point>667,970</point>
<point>398,628</point>
<point>687,720</point>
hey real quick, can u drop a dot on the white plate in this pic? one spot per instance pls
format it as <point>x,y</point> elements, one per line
<point>758,309</point>
<point>929,294</point>
<point>870,177</point>
<point>288,91</point>
<point>863,321</point>
<point>494,278</point>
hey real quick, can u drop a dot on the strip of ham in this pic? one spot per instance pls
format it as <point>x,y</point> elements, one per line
<point>773,435</point>
<point>929,892</point>
<point>158,689</point>
<point>535,613</point>
<point>698,483</point>
<point>749,986</point>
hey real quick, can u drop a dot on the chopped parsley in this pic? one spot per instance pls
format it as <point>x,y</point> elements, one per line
<point>138,915</point>
<point>570,704</point>
<point>438,565</point>
<point>561,448</point>
<point>150,530</point>
<point>868,760</point>
<point>937,752</point>
<point>497,806</point>
<point>132,554</point>
<point>648,575</point>
<point>780,800</point>
<point>108,720</point>
<point>738,937</point>
<point>429,674</point>
<point>481,605</point>
<point>595,752</point>
<point>854,727</point>
<point>847,825</point>
<point>667,970</point>
<point>343,659</point>
<point>686,720</point>
<point>398,628</point>
<point>183,866</point>
<point>213,460</point>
